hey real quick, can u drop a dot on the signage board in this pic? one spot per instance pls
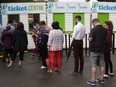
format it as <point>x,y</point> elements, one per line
<point>18,8</point>
<point>103,7</point>
<point>67,7</point>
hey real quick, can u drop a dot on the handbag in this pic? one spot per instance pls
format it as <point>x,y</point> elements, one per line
<point>48,62</point>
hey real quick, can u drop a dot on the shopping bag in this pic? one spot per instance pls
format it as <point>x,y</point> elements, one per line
<point>48,62</point>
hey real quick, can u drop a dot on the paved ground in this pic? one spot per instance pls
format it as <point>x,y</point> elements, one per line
<point>30,75</point>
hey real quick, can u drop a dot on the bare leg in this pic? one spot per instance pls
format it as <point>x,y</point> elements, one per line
<point>93,73</point>
<point>102,69</point>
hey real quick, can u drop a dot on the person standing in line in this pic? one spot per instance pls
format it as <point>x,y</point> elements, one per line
<point>43,39</point>
<point>97,39</point>
<point>10,23</point>
<point>20,43</point>
<point>55,45</point>
<point>108,46</point>
<point>7,40</point>
<point>15,25</point>
<point>1,46</point>
<point>78,35</point>
<point>35,38</point>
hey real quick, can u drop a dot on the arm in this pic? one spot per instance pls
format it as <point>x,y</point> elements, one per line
<point>108,40</point>
<point>90,39</point>
<point>91,35</point>
<point>14,37</point>
<point>2,38</point>
<point>63,38</point>
<point>50,39</point>
<point>26,39</point>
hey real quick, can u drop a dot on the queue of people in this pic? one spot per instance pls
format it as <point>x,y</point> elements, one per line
<point>49,44</point>
<point>100,39</point>
<point>12,42</point>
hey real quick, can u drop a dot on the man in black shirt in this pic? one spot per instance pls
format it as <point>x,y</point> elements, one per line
<point>97,42</point>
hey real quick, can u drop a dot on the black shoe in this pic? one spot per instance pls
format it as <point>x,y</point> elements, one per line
<point>73,74</point>
<point>100,81</point>
<point>91,82</point>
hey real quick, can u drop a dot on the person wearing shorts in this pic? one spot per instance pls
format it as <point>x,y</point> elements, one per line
<point>97,42</point>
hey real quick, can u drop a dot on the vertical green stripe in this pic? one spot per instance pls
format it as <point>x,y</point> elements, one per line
<point>60,17</point>
<point>80,14</point>
<point>103,17</point>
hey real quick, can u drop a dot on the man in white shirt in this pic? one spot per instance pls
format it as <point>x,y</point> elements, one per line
<point>78,35</point>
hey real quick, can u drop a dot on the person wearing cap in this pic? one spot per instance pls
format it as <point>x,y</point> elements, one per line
<point>7,40</point>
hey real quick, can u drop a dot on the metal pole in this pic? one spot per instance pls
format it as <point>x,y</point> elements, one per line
<point>69,39</point>
<point>86,45</point>
<point>66,43</point>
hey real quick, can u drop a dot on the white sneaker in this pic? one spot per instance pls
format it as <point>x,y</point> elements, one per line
<point>111,74</point>
<point>9,65</point>
<point>106,76</point>
<point>43,67</point>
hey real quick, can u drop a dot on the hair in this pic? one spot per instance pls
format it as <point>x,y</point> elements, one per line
<point>110,24</point>
<point>20,26</point>
<point>55,25</point>
<point>78,17</point>
<point>42,23</point>
<point>10,21</point>
<point>8,27</point>
<point>95,20</point>
<point>15,25</point>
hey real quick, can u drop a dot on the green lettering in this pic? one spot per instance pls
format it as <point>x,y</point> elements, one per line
<point>35,8</point>
<point>30,8</point>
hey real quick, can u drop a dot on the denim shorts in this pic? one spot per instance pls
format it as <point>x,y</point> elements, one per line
<point>97,59</point>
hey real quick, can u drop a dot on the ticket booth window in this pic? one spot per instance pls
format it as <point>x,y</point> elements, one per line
<point>14,18</point>
<point>33,19</point>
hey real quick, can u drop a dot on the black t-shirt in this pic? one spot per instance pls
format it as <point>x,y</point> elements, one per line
<point>98,35</point>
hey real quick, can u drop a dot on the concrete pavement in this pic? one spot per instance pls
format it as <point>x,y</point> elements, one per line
<point>30,75</point>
